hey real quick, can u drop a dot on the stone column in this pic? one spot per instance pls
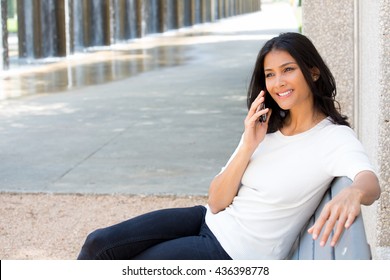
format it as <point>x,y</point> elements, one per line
<point>99,22</point>
<point>141,24</point>
<point>166,15</point>
<point>77,29</point>
<point>132,18</point>
<point>179,13</point>
<point>4,60</point>
<point>193,12</point>
<point>110,26</point>
<point>213,10</point>
<point>204,8</point>
<point>69,27</point>
<point>120,12</point>
<point>207,11</point>
<point>187,12</point>
<point>61,38</point>
<point>28,28</point>
<point>374,113</point>
<point>41,30</point>
<point>353,36</point>
<point>221,8</point>
<point>86,11</point>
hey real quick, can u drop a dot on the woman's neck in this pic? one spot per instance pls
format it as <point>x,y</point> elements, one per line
<point>297,123</point>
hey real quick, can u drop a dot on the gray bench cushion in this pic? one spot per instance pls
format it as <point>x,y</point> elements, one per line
<point>352,244</point>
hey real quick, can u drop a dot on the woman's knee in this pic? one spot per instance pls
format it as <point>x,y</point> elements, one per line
<point>93,246</point>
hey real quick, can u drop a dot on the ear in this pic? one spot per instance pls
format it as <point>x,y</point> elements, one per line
<point>315,73</point>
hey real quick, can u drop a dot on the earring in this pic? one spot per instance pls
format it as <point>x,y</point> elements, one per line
<point>315,78</point>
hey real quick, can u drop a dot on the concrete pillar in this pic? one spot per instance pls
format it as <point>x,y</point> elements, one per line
<point>231,10</point>
<point>196,12</point>
<point>180,13</point>
<point>152,15</point>
<point>221,8</point>
<point>77,27</point>
<point>111,27</point>
<point>4,60</point>
<point>207,8</point>
<point>40,28</point>
<point>97,23</point>
<point>204,10</point>
<point>86,12</point>
<point>239,7</point>
<point>215,9</point>
<point>166,15</point>
<point>353,36</point>
<point>374,103</point>
<point>60,20</point>
<point>141,25</point>
<point>187,12</point>
<point>120,12</point>
<point>69,25</point>
<point>175,17</point>
<point>131,19</point>
<point>28,28</point>
<point>193,12</point>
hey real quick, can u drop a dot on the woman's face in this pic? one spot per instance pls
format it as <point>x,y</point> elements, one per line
<point>285,82</point>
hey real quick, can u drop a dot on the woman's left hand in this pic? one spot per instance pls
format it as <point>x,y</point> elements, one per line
<point>341,211</point>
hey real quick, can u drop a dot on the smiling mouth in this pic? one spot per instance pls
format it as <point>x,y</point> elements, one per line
<point>283,94</point>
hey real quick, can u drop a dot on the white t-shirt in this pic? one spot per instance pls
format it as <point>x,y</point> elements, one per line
<point>281,188</point>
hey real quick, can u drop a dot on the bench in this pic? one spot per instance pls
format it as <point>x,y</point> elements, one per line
<point>352,244</point>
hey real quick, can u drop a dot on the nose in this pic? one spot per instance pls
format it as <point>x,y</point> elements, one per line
<point>280,82</point>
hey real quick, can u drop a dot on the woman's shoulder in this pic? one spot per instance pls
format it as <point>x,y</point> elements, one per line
<point>331,125</point>
<point>337,132</point>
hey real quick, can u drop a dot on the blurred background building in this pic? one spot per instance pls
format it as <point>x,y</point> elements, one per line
<point>57,28</point>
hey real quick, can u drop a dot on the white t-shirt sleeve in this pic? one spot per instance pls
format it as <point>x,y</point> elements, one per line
<point>345,155</point>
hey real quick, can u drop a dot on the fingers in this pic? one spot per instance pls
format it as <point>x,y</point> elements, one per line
<point>331,221</point>
<point>259,113</point>
<point>351,219</point>
<point>256,103</point>
<point>316,229</point>
<point>256,109</point>
<point>339,228</point>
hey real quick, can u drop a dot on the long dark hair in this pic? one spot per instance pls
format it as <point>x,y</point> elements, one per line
<point>307,58</point>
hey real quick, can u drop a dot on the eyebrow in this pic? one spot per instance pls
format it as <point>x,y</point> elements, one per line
<point>281,66</point>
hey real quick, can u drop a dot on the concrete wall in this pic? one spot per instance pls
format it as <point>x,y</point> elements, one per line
<point>353,36</point>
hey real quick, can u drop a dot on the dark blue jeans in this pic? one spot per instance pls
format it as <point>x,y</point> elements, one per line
<point>169,234</point>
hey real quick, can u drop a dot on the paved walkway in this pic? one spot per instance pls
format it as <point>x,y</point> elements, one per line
<point>165,129</point>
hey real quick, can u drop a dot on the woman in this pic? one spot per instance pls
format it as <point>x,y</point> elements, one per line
<point>290,151</point>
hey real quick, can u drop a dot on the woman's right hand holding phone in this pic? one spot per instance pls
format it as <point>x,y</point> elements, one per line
<point>255,130</point>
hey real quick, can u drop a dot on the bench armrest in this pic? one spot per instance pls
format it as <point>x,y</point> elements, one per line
<point>352,244</point>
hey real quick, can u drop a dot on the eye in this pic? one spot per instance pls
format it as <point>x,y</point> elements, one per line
<point>289,69</point>
<point>268,75</point>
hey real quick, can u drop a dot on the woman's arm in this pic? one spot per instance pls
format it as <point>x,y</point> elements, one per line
<point>224,187</point>
<point>341,211</point>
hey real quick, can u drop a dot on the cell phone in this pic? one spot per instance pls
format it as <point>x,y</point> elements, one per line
<point>262,118</point>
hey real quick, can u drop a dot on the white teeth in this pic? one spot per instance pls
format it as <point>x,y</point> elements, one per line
<point>284,93</point>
